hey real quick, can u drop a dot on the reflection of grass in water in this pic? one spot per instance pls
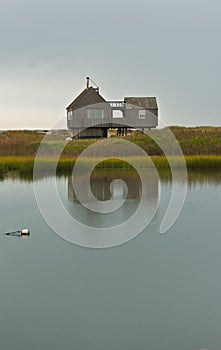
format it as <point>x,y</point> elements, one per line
<point>22,168</point>
<point>24,165</point>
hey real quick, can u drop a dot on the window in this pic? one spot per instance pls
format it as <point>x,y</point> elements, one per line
<point>69,115</point>
<point>95,113</point>
<point>117,113</point>
<point>142,114</point>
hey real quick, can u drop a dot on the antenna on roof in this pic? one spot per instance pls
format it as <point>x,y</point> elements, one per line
<point>88,80</point>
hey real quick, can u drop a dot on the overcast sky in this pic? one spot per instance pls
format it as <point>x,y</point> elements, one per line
<point>165,48</point>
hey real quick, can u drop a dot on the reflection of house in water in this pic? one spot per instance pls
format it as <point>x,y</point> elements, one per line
<point>103,186</point>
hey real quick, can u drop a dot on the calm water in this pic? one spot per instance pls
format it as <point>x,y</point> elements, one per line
<point>157,292</point>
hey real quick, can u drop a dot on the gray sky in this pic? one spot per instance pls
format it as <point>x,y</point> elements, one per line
<point>165,48</point>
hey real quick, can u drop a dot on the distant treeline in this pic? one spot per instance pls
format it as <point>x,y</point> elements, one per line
<point>194,141</point>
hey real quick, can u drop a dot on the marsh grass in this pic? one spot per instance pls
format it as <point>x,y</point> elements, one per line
<point>194,141</point>
<point>201,146</point>
<point>24,165</point>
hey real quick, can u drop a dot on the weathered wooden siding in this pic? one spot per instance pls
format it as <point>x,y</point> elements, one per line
<point>138,112</point>
<point>89,132</point>
<point>87,97</point>
<point>79,118</point>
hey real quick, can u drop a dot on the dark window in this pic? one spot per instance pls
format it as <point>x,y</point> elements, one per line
<point>69,115</point>
<point>95,113</point>
<point>142,114</point>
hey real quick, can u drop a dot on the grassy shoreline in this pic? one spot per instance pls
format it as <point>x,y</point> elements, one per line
<point>201,147</point>
<point>65,165</point>
<point>201,141</point>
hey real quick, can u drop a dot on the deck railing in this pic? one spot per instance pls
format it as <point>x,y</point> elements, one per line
<point>116,104</point>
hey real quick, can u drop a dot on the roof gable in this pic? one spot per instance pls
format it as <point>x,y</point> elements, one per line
<point>87,97</point>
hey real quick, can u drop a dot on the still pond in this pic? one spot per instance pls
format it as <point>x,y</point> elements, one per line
<point>157,292</point>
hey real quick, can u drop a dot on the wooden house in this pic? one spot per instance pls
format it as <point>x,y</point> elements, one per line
<point>90,115</point>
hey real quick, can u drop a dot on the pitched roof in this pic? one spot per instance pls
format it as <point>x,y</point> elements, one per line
<point>87,97</point>
<point>144,102</point>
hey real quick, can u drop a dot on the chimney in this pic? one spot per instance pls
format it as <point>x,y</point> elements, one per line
<point>87,84</point>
